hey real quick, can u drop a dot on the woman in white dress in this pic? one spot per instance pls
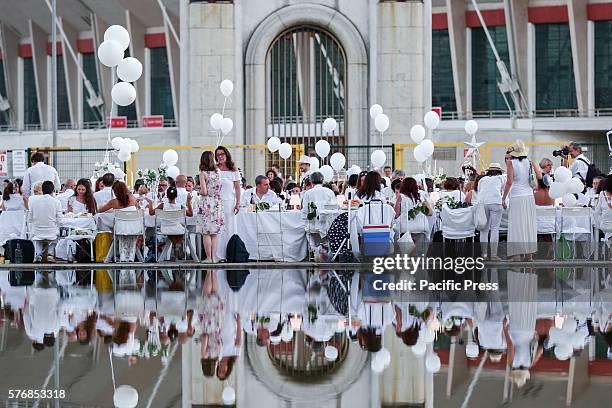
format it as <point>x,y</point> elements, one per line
<point>490,189</point>
<point>11,199</point>
<point>408,197</point>
<point>12,216</point>
<point>230,196</point>
<point>522,225</point>
<point>83,201</point>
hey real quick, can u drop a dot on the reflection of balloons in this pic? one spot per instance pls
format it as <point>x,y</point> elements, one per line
<point>556,190</point>
<point>569,200</point>
<point>123,93</point>
<point>427,147</point>
<point>331,353</point>
<point>471,350</point>
<point>562,174</point>
<point>129,69</point>
<point>432,363</point>
<point>337,161</point>
<point>419,348</point>
<point>125,396</point>
<point>226,87</point>
<point>322,148</point>
<point>577,340</point>
<point>327,172</point>
<point>428,335</point>
<point>377,366</point>
<point>173,171</point>
<point>569,325</point>
<point>273,144</point>
<point>216,120</point>
<point>228,396</point>
<point>329,125</point>
<point>314,163</point>
<point>563,351</point>
<point>555,335</point>
<point>110,53</point>
<point>471,127</point>
<point>170,157</point>
<point>117,142</point>
<point>384,356</point>
<point>227,125</point>
<point>124,155</point>
<point>375,110</point>
<point>119,34</point>
<point>378,158</point>
<point>417,133</point>
<point>431,120</point>
<point>284,150</point>
<point>574,185</point>
<point>381,122</point>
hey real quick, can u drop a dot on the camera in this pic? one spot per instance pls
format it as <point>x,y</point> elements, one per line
<point>563,152</point>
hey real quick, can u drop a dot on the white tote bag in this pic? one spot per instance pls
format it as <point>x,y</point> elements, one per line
<point>480,217</point>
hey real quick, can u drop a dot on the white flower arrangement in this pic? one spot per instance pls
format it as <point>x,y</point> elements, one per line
<point>152,177</point>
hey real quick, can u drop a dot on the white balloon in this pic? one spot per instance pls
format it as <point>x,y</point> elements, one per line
<point>118,33</point>
<point>123,93</point>
<point>216,120</point>
<point>378,158</point>
<point>563,351</point>
<point>134,147</point>
<point>110,53</point>
<point>375,110</point>
<point>431,120</point>
<point>381,122</point>
<point>337,161</point>
<point>227,125</point>
<point>322,148</point>
<point>569,200</point>
<point>384,356</point>
<point>125,396</point>
<point>129,69</point>
<point>273,144</point>
<point>417,133</point>
<point>117,142</point>
<point>419,154</point>
<point>329,125</point>
<point>419,348</point>
<point>471,127</point>
<point>314,163</point>
<point>226,87</point>
<point>173,171</point>
<point>327,172</point>
<point>427,147</point>
<point>432,363</point>
<point>126,145</point>
<point>170,157</point>
<point>574,185</point>
<point>562,174</point>
<point>428,335</point>
<point>124,155</point>
<point>331,353</point>
<point>284,150</point>
<point>228,396</point>
<point>119,174</point>
<point>557,189</point>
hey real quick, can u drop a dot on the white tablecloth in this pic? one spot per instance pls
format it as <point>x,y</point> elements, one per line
<point>261,233</point>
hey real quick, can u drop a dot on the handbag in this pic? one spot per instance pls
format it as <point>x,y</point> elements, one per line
<point>533,182</point>
<point>480,216</point>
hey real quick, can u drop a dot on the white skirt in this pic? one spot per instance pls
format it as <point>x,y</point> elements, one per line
<point>522,226</point>
<point>229,229</point>
<point>522,300</point>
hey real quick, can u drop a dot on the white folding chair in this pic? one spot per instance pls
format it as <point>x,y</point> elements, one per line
<point>134,221</point>
<point>266,234</point>
<point>165,219</point>
<point>576,221</point>
<point>458,223</point>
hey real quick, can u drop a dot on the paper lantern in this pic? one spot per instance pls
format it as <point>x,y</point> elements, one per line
<point>110,53</point>
<point>129,69</point>
<point>134,147</point>
<point>384,356</point>
<point>377,366</point>
<point>118,33</point>
<point>472,350</point>
<point>563,351</point>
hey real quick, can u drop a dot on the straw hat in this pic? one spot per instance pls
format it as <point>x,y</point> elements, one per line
<point>518,149</point>
<point>519,377</point>
<point>304,159</point>
<point>494,166</point>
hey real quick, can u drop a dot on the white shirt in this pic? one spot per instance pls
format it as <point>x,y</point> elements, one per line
<point>269,197</point>
<point>520,180</point>
<point>39,172</point>
<point>181,196</point>
<point>388,194</point>
<point>64,197</point>
<point>315,195</point>
<point>490,189</point>
<point>45,217</point>
<point>377,196</point>
<point>579,167</point>
<point>103,196</point>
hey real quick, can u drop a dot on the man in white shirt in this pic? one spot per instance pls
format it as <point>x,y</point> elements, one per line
<point>45,217</point>
<point>304,164</point>
<point>181,190</point>
<point>106,194</point>
<point>39,172</point>
<point>260,193</point>
<point>317,194</point>
<point>580,166</point>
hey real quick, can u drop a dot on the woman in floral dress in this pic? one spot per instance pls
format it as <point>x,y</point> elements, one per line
<point>211,309</point>
<point>210,218</point>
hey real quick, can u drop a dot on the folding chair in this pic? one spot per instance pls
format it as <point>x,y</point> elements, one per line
<point>576,221</point>
<point>135,220</point>
<point>458,223</point>
<point>165,219</point>
<point>265,233</point>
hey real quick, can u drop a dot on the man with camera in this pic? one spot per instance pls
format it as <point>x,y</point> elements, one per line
<point>580,165</point>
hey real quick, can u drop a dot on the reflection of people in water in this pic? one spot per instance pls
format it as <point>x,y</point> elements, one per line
<point>129,308</point>
<point>79,317</point>
<point>41,316</point>
<point>408,320</point>
<point>211,311</point>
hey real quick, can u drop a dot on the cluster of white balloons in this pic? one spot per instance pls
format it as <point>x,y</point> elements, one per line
<point>425,147</point>
<point>381,123</point>
<point>110,53</point>
<point>565,186</point>
<point>566,339</point>
<point>169,159</point>
<point>124,147</point>
<point>217,121</point>
<point>284,149</point>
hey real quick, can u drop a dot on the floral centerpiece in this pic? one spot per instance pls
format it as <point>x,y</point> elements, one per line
<point>449,201</point>
<point>439,179</point>
<point>152,177</point>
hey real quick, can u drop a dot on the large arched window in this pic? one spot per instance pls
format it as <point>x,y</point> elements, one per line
<point>306,74</point>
